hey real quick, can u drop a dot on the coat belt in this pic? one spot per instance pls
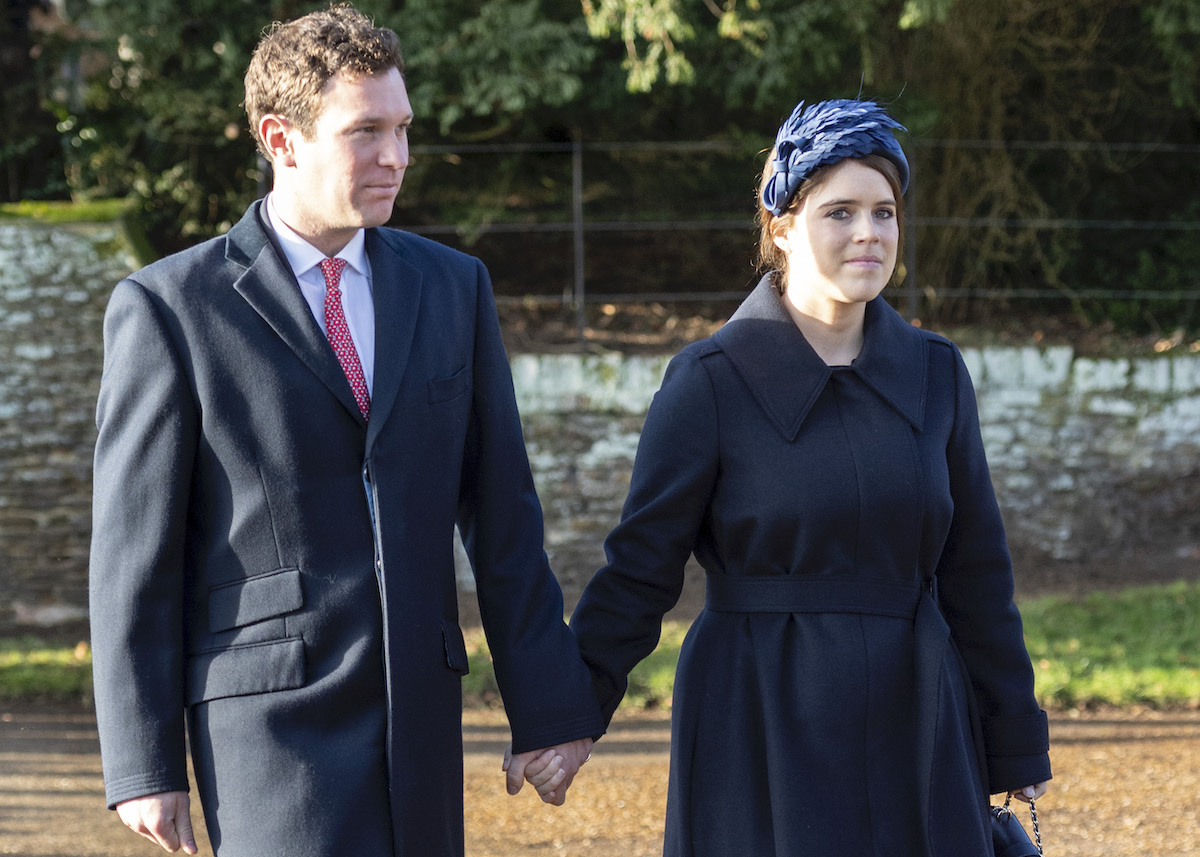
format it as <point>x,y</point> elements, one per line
<point>813,593</point>
<point>818,593</point>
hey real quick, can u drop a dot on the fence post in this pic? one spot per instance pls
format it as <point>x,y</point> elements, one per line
<point>577,221</point>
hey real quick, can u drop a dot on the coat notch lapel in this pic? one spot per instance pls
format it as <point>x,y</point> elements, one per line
<point>895,361</point>
<point>786,375</point>
<point>396,292</point>
<point>270,287</point>
<point>773,358</point>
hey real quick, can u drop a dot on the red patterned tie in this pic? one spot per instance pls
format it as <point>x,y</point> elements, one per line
<point>339,334</point>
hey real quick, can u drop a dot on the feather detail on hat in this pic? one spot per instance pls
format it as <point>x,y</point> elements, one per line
<point>826,133</point>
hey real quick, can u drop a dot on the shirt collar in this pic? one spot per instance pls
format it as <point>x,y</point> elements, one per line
<point>303,256</point>
<point>786,375</point>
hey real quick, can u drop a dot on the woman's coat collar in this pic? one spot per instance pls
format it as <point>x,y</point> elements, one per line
<point>786,376</point>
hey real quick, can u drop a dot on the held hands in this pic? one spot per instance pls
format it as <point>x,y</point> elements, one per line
<point>163,818</point>
<point>550,771</point>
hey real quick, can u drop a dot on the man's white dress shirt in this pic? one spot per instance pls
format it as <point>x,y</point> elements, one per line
<point>357,301</point>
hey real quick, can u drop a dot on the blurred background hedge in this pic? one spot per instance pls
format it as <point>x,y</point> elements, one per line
<point>1055,142</point>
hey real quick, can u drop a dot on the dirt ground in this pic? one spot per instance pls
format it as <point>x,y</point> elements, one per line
<point>1126,783</point>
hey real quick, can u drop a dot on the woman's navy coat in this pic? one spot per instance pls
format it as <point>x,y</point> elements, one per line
<point>825,702</point>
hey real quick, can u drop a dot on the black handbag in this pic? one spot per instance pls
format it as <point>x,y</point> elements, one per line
<point>1009,838</point>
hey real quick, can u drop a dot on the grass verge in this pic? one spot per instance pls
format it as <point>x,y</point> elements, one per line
<point>34,671</point>
<point>1136,647</point>
<point>55,211</point>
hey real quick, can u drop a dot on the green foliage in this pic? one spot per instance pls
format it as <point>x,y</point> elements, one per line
<point>32,670</point>
<point>1136,647</point>
<point>161,119</point>
<point>1175,25</point>
<point>157,119</point>
<point>918,13</point>
<point>58,211</point>
<point>763,52</point>
<point>1141,646</point>
<point>658,25</point>
<point>491,63</point>
<point>479,685</point>
<point>652,682</point>
<point>1083,73</point>
<point>30,163</point>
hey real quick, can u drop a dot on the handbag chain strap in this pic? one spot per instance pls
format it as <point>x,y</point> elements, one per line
<point>1037,833</point>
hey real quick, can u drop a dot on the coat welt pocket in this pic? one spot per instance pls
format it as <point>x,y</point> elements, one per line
<point>263,596</point>
<point>456,647</point>
<point>243,670</point>
<point>445,389</point>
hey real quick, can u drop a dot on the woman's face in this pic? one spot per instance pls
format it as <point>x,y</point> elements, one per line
<point>841,245</point>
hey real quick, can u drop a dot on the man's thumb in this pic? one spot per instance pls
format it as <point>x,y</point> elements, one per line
<point>183,826</point>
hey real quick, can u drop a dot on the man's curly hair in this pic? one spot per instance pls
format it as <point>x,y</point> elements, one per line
<point>295,60</point>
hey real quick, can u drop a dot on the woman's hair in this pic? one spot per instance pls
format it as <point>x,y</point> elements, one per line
<point>295,60</point>
<point>770,257</point>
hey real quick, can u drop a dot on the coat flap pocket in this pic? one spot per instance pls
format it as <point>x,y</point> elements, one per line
<point>243,670</point>
<point>456,647</point>
<point>232,605</point>
<point>444,389</point>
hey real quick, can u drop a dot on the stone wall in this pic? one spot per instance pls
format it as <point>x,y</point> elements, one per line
<point>54,282</point>
<point>1092,459</point>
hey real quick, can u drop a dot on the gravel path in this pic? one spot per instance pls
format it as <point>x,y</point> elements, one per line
<point>1126,783</point>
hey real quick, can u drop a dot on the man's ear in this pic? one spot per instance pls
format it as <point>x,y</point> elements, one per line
<point>277,135</point>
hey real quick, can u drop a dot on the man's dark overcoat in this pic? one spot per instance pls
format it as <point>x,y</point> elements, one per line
<point>826,702</point>
<point>282,570</point>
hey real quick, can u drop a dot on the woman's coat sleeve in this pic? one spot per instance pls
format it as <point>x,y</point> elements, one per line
<point>619,618</point>
<point>975,589</point>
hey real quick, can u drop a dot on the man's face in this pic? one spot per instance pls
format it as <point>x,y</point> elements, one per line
<point>347,176</point>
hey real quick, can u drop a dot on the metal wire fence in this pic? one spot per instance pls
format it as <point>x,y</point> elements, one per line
<point>585,219</point>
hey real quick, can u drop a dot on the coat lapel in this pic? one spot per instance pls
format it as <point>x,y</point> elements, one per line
<point>396,291</point>
<point>270,287</point>
<point>786,376</point>
<point>894,361</point>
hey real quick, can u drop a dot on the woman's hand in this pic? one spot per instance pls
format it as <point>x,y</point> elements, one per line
<point>1030,792</point>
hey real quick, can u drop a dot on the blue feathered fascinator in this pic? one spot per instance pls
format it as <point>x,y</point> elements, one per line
<point>826,133</point>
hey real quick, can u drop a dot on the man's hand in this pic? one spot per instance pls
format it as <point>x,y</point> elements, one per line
<point>164,818</point>
<point>550,771</point>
